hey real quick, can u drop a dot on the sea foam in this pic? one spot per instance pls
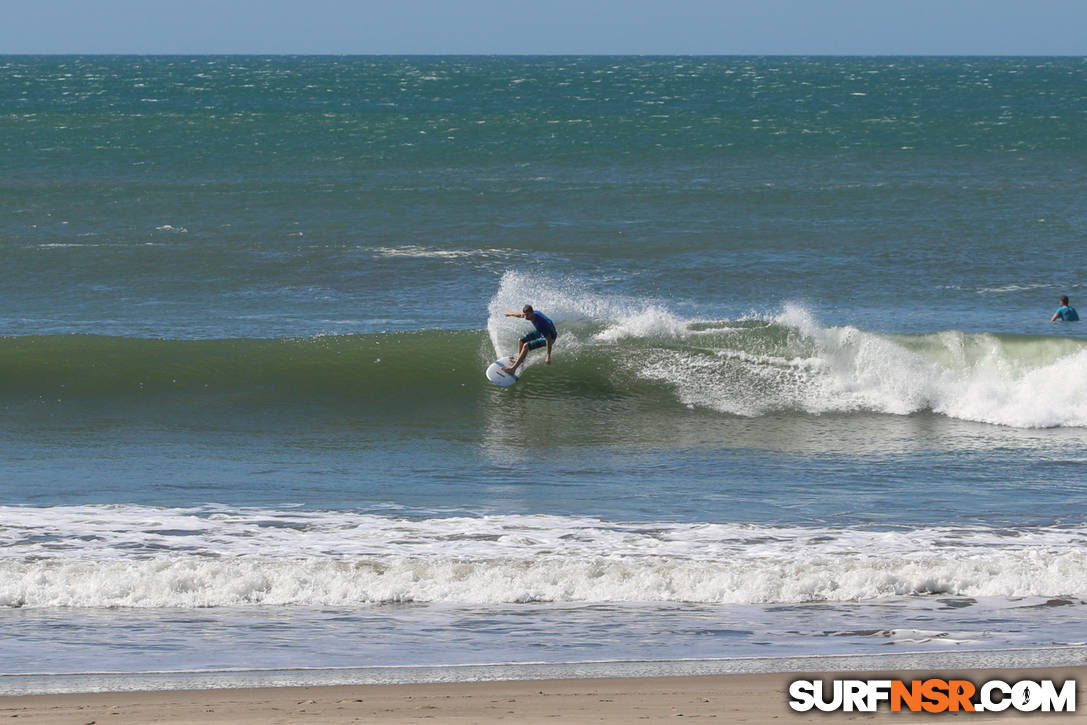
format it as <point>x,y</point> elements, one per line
<point>130,556</point>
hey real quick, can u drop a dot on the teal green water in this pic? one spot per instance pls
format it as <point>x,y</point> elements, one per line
<point>266,197</point>
<point>806,397</point>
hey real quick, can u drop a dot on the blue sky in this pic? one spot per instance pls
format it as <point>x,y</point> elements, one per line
<point>866,27</point>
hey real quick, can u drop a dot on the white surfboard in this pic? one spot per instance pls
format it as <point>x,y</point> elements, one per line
<point>498,376</point>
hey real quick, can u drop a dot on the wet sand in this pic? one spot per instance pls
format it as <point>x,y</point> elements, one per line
<point>750,698</point>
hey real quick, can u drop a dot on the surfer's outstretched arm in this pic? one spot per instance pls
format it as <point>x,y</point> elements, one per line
<point>548,358</point>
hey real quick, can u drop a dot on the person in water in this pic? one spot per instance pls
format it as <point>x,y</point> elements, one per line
<point>1064,312</point>
<point>544,334</point>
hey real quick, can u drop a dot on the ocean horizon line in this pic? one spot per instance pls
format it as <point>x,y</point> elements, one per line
<point>589,54</point>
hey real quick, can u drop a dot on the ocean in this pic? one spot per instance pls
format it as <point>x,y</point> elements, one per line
<point>805,402</point>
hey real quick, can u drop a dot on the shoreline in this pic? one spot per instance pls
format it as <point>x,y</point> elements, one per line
<point>749,697</point>
<point>34,684</point>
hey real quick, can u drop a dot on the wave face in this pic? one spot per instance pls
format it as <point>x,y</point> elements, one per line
<point>131,556</point>
<point>609,349</point>
<point>356,370</point>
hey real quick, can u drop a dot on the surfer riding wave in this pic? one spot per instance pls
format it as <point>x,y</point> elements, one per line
<point>544,334</point>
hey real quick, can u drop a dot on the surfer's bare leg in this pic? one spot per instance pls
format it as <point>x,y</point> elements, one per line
<point>512,370</point>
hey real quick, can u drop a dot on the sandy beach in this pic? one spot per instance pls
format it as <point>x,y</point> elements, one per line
<point>752,698</point>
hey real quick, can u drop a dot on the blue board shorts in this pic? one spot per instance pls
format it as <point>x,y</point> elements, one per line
<point>534,339</point>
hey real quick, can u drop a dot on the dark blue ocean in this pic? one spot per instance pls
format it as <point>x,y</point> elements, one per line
<point>806,398</point>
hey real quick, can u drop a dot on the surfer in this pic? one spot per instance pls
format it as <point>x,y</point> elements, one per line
<point>544,334</point>
<point>1064,312</point>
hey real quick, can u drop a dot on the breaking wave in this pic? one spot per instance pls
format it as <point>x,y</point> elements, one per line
<point>131,556</point>
<point>608,347</point>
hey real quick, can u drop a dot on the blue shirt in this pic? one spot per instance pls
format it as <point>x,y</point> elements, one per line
<point>545,326</point>
<point>1066,313</point>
